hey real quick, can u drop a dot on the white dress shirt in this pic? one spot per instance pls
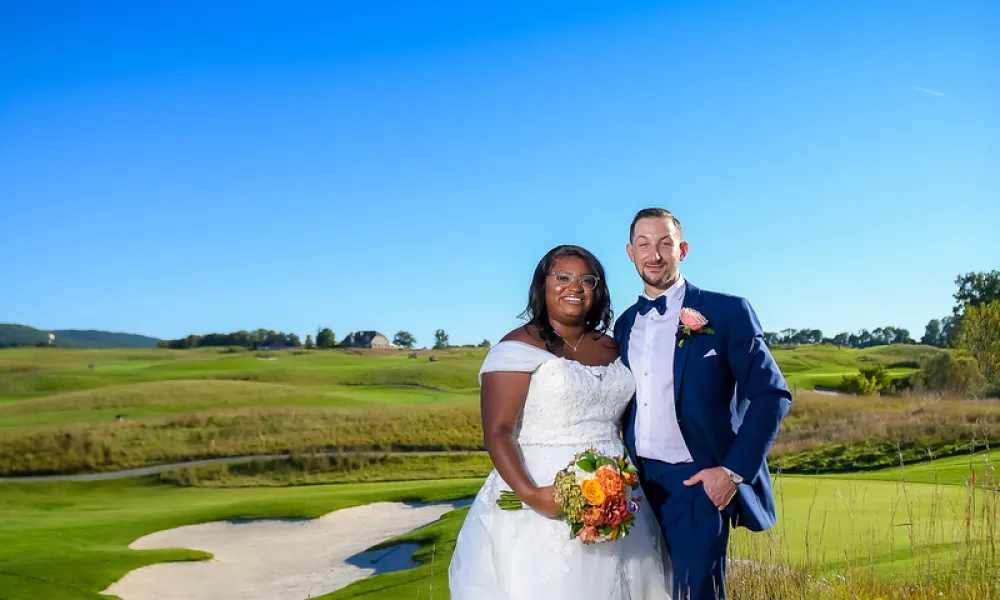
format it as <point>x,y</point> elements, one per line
<point>651,356</point>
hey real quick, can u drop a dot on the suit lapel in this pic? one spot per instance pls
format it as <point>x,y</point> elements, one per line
<point>625,333</point>
<point>691,296</point>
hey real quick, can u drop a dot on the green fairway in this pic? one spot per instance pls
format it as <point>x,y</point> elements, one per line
<point>953,470</point>
<point>70,540</point>
<point>50,371</point>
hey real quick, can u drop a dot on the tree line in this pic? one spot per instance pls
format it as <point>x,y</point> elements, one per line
<point>260,338</point>
<point>974,290</point>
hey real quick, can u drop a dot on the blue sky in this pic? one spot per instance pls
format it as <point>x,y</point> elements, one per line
<point>180,167</point>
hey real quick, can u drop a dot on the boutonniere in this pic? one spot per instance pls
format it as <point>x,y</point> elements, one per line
<point>692,323</point>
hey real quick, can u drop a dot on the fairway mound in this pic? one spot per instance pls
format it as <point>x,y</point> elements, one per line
<point>273,559</point>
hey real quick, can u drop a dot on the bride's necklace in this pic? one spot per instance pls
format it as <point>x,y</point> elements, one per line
<point>567,342</point>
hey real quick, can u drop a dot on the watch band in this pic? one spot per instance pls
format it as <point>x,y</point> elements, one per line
<point>733,476</point>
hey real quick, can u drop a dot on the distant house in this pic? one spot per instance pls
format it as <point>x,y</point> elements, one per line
<point>368,339</point>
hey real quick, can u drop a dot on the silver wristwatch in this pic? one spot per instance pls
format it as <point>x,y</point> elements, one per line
<point>735,478</point>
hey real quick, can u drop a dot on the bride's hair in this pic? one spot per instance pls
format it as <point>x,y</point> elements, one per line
<point>537,313</point>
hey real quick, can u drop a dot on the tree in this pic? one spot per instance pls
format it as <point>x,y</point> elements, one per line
<point>325,338</point>
<point>771,338</point>
<point>309,342</point>
<point>404,339</point>
<point>933,335</point>
<point>949,371</point>
<point>294,341</point>
<point>842,339</point>
<point>979,335</point>
<point>949,328</point>
<point>440,339</point>
<point>975,289</point>
<point>484,344</point>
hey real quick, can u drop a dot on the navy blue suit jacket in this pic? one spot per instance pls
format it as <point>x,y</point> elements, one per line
<point>729,405</point>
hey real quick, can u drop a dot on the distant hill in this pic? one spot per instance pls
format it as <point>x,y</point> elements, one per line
<point>22,335</point>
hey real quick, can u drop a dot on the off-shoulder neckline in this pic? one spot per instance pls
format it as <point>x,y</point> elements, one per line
<point>557,357</point>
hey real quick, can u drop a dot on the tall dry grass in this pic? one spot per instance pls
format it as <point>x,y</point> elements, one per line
<point>821,434</point>
<point>935,562</point>
<point>119,445</point>
<point>825,433</point>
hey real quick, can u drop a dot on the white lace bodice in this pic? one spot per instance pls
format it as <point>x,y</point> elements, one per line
<point>568,403</point>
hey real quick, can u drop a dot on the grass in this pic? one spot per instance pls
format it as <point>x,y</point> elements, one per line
<point>58,414</point>
<point>843,433</point>
<point>954,470</point>
<point>70,541</point>
<point>232,432</point>
<point>835,539</point>
<point>50,371</point>
<point>59,408</point>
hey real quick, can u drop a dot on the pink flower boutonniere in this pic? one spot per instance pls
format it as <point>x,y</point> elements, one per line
<point>692,323</point>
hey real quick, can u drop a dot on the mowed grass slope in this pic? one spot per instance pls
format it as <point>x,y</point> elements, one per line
<point>46,372</point>
<point>821,366</point>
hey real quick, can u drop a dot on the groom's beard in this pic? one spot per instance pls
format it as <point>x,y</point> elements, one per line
<point>662,282</point>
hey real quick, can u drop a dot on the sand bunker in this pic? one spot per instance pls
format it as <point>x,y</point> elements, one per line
<point>277,559</point>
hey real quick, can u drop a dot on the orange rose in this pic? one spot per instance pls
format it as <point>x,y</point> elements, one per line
<point>592,492</point>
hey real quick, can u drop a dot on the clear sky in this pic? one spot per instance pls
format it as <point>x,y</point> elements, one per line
<point>188,167</point>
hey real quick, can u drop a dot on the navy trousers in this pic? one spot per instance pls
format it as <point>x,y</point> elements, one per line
<point>696,532</point>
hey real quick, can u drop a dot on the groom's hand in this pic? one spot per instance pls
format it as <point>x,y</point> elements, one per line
<point>719,487</point>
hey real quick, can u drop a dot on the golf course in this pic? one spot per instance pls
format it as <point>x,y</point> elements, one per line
<point>891,497</point>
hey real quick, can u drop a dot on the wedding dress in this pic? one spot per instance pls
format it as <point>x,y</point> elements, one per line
<point>522,555</point>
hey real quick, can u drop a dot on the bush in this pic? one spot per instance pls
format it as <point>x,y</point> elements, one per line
<point>868,382</point>
<point>950,372</point>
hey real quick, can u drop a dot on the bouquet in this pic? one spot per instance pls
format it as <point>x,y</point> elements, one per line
<point>595,494</point>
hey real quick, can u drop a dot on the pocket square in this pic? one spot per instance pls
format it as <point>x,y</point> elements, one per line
<point>710,353</point>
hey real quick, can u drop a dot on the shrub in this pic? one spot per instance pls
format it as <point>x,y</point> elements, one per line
<point>950,372</point>
<point>869,381</point>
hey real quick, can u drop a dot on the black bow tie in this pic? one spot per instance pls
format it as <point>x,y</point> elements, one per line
<point>646,305</point>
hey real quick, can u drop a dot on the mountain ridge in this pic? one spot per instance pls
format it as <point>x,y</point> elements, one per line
<point>13,335</point>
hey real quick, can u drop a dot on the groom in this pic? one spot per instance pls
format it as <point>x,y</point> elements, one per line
<point>709,399</point>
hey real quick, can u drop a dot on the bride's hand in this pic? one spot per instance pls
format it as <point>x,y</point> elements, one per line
<point>543,502</point>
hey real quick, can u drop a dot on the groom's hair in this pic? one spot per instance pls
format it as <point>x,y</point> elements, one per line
<point>659,213</point>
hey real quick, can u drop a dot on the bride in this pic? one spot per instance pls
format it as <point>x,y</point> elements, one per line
<point>551,389</point>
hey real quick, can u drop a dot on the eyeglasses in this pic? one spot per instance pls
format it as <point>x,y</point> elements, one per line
<point>564,278</point>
